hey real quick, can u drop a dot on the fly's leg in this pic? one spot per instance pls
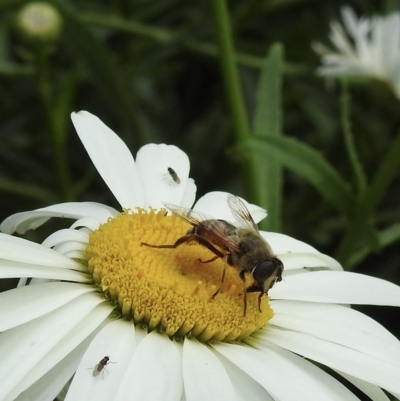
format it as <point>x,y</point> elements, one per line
<point>243,278</point>
<point>200,240</point>
<point>190,238</point>
<point>222,281</point>
<point>209,260</point>
<point>256,288</point>
<point>259,301</point>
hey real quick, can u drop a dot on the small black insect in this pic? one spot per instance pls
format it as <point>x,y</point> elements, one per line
<point>100,367</point>
<point>173,175</point>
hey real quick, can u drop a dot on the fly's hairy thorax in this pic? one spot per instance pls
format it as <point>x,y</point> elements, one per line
<point>253,250</point>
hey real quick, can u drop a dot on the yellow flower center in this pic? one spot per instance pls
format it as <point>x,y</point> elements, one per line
<point>170,289</point>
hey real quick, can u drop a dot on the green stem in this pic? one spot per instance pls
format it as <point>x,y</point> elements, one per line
<point>358,172</point>
<point>369,201</point>
<point>55,136</point>
<point>233,90</point>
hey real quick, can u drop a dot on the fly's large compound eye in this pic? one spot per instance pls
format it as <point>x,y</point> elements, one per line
<point>264,270</point>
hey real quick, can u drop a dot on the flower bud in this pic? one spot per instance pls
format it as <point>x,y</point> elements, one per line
<point>39,24</point>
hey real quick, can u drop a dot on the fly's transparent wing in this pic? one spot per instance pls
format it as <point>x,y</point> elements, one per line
<point>241,213</point>
<point>189,215</point>
<point>215,230</point>
<point>97,369</point>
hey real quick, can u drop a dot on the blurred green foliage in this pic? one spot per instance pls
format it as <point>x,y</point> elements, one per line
<point>242,100</point>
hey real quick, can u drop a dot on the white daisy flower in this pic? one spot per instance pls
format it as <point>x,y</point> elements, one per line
<point>365,46</point>
<point>130,322</point>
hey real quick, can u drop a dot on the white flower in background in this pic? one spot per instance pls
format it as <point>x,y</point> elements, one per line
<point>364,46</point>
<point>96,292</point>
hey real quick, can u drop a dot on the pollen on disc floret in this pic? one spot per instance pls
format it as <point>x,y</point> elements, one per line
<point>170,289</point>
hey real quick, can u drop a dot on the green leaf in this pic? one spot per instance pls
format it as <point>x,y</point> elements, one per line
<point>26,190</point>
<point>268,123</point>
<point>386,237</point>
<point>310,164</point>
<point>369,200</point>
<point>268,115</point>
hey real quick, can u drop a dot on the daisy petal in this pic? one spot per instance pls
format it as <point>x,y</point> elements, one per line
<point>76,254</point>
<point>81,332</point>
<point>214,204</point>
<point>111,157</point>
<point>336,356</point>
<point>38,338</point>
<point>337,323</point>
<point>375,393</point>
<point>117,341</point>
<point>22,222</point>
<point>49,385</point>
<point>14,269</point>
<point>65,235</point>
<point>87,222</point>
<point>153,163</point>
<point>21,305</point>
<point>190,194</point>
<point>158,358</point>
<point>21,250</point>
<point>274,368</point>
<point>66,248</point>
<point>337,287</point>
<point>203,374</point>
<point>283,244</point>
<point>301,261</point>
<point>363,47</point>
<point>245,387</point>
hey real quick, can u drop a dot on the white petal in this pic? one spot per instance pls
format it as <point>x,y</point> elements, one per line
<point>15,269</point>
<point>40,339</point>
<point>80,333</point>
<point>190,194</point>
<point>140,334</point>
<point>310,260</point>
<point>204,376</point>
<point>66,248</point>
<point>375,393</point>
<point>214,204</point>
<point>347,360</point>
<point>153,162</point>
<point>111,157</point>
<point>155,371</point>
<point>76,254</point>
<point>283,244</point>
<point>341,41</point>
<point>351,21</point>
<point>22,222</point>
<point>337,323</point>
<point>373,51</point>
<point>65,235</point>
<point>337,287</point>
<point>116,340</point>
<point>285,375</point>
<point>21,250</point>
<point>89,222</point>
<point>49,386</point>
<point>23,304</point>
<point>245,387</point>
